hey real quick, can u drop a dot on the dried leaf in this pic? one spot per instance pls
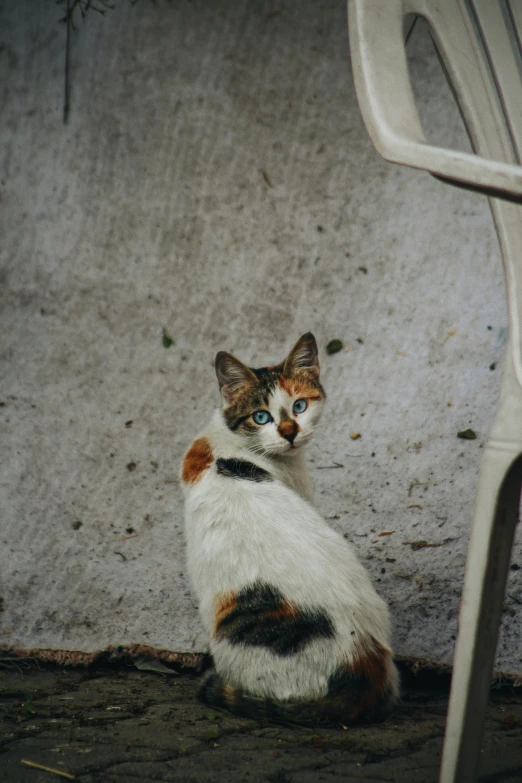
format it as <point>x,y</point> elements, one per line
<point>468,434</point>
<point>153,665</point>
<point>334,346</point>
<point>415,545</point>
<point>212,734</point>
<point>166,340</point>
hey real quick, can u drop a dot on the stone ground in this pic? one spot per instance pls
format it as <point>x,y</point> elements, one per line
<point>116,723</point>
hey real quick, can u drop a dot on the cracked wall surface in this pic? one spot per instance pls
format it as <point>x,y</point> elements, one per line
<point>215,185</point>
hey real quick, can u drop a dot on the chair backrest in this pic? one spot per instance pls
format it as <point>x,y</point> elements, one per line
<point>480,45</point>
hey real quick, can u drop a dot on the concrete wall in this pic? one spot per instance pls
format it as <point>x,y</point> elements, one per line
<point>215,180</point>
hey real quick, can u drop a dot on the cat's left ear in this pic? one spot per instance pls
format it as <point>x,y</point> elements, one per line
<point>231,374</point>
<point>303,356</point>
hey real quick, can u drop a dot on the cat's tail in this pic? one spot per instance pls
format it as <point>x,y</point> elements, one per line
<point>348,701</point>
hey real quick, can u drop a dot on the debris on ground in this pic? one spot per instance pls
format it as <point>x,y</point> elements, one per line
<point>415,545</point>
<point>334,346</point>
<point>166,339</point>
<point>468,434</point>
<point>414,484</point>
<point>145,664</point>
<point>44,768</point>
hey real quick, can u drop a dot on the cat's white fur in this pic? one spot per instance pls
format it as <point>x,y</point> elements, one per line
<point>240,532</point>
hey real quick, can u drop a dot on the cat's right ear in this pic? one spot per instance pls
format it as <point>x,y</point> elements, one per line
<point>231,374</point>
<point>303,356</point>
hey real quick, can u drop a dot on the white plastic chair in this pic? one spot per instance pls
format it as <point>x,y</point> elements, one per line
<point>480,44</point>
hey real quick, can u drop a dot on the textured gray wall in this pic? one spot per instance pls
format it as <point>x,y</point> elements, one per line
<point>215,180</point>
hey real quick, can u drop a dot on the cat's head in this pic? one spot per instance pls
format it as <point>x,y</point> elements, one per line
<point>276,407</point>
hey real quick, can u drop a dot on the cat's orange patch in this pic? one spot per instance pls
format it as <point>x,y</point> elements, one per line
<point>370,667</point>
<point>288,427</point>
<point>197,459</point>
<point>372,662</point>
<point>227,602</point>
<point>228,694</point>
<point>287,385</point>
<point>285,610</point>
<point>296,388</point>
<point>224,606</point>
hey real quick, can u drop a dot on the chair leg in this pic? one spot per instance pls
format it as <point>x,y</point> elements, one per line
<point>487,567</point>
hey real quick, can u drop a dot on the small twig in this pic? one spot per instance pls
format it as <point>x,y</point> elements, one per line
<point>126,538</point>
<point>330,467</point>
<point>68,23</point>
<point>266,177</point>
<point>48,769</point>
<point>121,555</point>
<point>414,484</point>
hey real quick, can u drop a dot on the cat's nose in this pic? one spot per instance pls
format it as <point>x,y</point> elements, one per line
<point>288,429</point>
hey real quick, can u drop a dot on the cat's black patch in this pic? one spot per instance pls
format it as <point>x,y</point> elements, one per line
<point>212,690</point>
<point>262,617</point>
<point>344,682</point>
<point>353,696</point>
<point>242,469</point>
<point>268,377</point>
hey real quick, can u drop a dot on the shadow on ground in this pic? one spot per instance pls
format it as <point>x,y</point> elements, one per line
<point>114,723</point>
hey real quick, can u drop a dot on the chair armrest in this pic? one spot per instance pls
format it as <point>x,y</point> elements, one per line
<point>388,107</point>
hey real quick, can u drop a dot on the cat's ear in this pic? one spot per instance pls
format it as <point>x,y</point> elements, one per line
<point>231,374</point>
<point>303,356</point>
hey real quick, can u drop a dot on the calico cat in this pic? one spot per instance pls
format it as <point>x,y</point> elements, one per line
<point>296,629</point>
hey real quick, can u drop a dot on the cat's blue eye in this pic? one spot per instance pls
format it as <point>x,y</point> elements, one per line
<point>261,417</point>
<point>300,406</point>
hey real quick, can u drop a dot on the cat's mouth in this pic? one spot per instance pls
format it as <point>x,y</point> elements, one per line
<point>292,447</point>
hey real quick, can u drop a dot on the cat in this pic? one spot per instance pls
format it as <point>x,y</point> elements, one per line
<point>297,632</point>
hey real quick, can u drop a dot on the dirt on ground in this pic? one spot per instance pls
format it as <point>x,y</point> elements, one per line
<point>108,723</point>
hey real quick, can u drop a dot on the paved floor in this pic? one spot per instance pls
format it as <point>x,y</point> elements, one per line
<point>116,724</point>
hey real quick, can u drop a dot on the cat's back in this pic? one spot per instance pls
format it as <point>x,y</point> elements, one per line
<point>229,490</point>
<point>213,468</point>
<point>244,524</point>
